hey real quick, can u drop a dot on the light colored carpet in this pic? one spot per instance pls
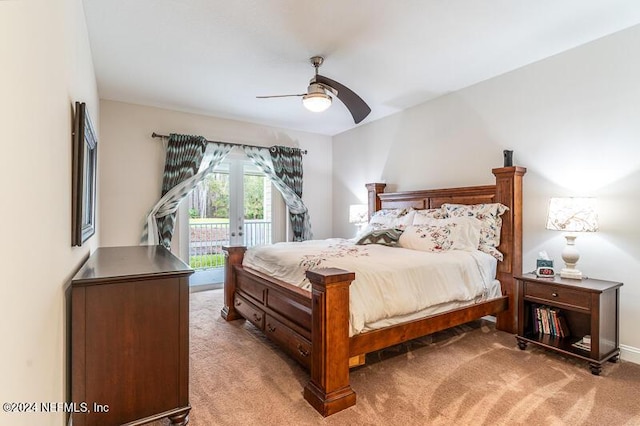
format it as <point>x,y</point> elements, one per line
<point>469,375</point>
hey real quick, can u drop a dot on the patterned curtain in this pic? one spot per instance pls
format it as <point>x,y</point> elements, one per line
<point>189,159</point>
<point>262,158</point>
<point>287,164</point>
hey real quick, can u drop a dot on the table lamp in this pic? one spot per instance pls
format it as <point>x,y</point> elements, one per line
<point>358,214</point>
<point>571,215</point>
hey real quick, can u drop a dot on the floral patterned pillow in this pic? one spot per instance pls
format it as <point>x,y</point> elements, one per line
<point>491,223</point>
<point>427,215</point>
<point>389,219</point>
<point>438,235</point>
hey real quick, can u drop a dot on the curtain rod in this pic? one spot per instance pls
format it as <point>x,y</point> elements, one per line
<point>157,135</point>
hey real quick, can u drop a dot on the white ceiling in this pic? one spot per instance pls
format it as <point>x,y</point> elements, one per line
<point>213,57</point>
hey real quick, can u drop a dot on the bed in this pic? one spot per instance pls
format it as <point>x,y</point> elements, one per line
<point>314,326</point>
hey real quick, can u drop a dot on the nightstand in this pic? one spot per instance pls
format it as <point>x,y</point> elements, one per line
<point>587,307</point>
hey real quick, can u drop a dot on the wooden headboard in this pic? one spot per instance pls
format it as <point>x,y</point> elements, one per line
<point>507,190</point>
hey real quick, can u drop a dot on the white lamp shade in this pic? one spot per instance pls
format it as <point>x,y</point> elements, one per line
<point>572,215</point>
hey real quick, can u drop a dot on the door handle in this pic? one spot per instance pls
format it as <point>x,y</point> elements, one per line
<point>233,234</point>
<point>240,234</point>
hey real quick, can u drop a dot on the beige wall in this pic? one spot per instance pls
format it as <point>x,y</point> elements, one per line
<point>131,164</point>
<point>572,120</point>
<point>46,67</point>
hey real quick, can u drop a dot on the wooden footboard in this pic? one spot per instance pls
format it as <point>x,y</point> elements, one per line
<point>313,327</point>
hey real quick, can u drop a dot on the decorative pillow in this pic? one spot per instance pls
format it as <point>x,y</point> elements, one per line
<point>427,215</point>
<point>440,235</point>
<point>386,237</point>
<point>491,223</point>
<point>389,219</point>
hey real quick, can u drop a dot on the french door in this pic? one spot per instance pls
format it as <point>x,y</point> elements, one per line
<point>250,213</point>
<point>234,205</point>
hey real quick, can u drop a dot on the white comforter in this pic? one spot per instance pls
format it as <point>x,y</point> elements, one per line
<point>390,281</point>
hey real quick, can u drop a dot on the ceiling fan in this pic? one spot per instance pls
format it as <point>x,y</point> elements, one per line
<point>317,99</point>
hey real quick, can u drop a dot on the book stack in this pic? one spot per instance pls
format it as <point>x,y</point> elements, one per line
<point>548,320</point>
<point>584,343</point>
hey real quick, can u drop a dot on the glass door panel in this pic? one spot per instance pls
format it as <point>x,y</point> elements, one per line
<point>232,206</point>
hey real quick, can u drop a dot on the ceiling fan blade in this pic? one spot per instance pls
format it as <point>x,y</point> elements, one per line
<point>354,103</point>
<point>278,96</point>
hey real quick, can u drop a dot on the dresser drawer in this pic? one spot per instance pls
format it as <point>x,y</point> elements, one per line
<point>557,294</point>
<point>249,311</point>
<point>289,340</point>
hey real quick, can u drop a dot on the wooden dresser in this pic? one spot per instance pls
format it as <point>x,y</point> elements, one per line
<point>130,337</point>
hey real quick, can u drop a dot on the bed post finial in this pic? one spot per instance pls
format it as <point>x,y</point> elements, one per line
<point>373,190</point>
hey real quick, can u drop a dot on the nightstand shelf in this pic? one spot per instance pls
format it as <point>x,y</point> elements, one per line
<point>589,307</point>
<point>559,344</point>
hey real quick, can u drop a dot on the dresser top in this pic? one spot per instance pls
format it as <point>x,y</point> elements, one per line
<point>114,263</point>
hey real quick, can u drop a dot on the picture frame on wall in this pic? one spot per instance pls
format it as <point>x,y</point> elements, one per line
<point>83,204</point>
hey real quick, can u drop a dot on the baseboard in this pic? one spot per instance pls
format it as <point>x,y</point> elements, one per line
<point>630,354</point>
<point>205,287</point>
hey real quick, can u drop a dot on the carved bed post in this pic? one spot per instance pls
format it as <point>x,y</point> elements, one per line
<point>232,256</point>
<point>373,190</point>
<point>329,390</point>
<point>509,193</point>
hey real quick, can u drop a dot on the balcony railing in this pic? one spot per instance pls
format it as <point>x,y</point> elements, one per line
<point>207,238</point>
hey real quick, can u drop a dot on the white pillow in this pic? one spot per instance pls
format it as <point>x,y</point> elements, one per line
<point>438,235</point>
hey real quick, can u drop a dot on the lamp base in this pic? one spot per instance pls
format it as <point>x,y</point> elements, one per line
<point>570,256</point>
<point>571,273</point>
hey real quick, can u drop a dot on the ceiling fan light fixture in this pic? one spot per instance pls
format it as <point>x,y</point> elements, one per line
<point>316,102</point>
<point>318,98</point>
